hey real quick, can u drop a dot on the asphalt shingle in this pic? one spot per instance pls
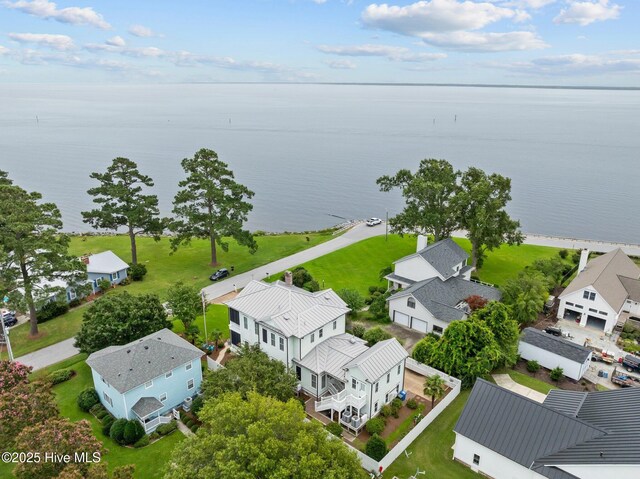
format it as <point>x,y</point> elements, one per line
<point>556,345</point>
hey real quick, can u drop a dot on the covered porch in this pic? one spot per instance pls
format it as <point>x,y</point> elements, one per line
<point>147,410</point>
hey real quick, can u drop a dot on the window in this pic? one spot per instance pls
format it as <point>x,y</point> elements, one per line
<point>281,344</point>
<point>323,381</point>
<point>569,304</point>
<point>257,329</point>
<point>314,381</point>
<point>264,335</point>
<point>399,368</point>
<point>603,313</point>
<point>313,337</point>
<point>273,339</point>
<point>163,397</point>
<point>476,459</point>
<point>190,384</point>
<point>236,339</point>
<point>354,383</point>
<point>71,295</point>
<point>320,332</point>
<point>411,303</point>
<point>375,407</point>
<point>579,306</point>
<point>377,387</point>
<point>234,316</point>
<point>188,366</point>
<point>148,384</point>
<point>298,373</point>
<point>437,329</point>
<point>107,399</point>
<point>246,323</point>
<point>335,325</point>
<point>593,310</point>
<point>116,275</point>
<point>590,295</point>
<point>388,377</point>
<point>168,375</point>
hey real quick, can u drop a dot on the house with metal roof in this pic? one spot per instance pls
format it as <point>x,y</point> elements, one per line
<point>605,291</point>
<point>572,435</point>
<point>349,380</point>
<point>552,351</point>
<point>433,285</point>
<point>147,378</point>
<point>105,265</point>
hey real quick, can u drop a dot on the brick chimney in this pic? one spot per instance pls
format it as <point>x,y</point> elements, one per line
<point>288,278</point>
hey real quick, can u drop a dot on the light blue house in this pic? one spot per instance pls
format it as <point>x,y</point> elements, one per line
<point>147,378</point>
<point>105,265</point>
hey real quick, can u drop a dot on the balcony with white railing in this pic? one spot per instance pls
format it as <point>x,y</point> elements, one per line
<point>339,402</point>
<point>153,423</point>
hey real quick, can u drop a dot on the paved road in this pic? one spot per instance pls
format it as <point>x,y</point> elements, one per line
<point>572,243</point>
<point>49,355</point>
<point>355,234</point>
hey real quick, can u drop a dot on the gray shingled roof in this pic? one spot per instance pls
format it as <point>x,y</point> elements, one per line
<point>128,366</point>
<point>379,359</point>
<point>331,355</point>
<point>632,286</point>
<point>441,297</point>
<point>443,256</point>
<point>521,429</point>
<point>556,345</point>
<point>401,279</point>
<point>146,406</point>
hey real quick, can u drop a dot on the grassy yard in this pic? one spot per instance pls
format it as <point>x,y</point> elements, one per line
<point>431,451</point>
<point>189,264</point>
<point>217,318</point>
<point>530,382</point>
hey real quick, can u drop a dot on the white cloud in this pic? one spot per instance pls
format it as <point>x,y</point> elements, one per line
<point>434,16</point>
<point>392,53</point>
<point>533,4</point>
<point>142,31</point>
<point>49,10</point>
<point>338,64</point>
<point>486,42</point>
<point>319,2</point>
<point>57,42</point>
<point>585,13</point>
<point>116,41</point>
<point>577,65</point>
<point>3,50</point>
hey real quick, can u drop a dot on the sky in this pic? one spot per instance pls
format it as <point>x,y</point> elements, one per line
<point>532,42</point>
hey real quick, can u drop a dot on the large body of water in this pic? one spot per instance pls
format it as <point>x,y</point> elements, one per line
<point>311,151</point>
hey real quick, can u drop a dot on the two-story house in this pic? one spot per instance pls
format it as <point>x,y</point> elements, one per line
<point>604,289</point>
<point>147,378</point>
<point>434,283</point>
<point>306,331</point>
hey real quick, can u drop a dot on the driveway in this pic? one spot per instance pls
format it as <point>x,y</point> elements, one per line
<point>505,381</point>
<point>50,355</point>
<point>409,337</point>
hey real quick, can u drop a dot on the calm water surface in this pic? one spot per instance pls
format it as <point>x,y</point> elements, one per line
<point>311,151</point>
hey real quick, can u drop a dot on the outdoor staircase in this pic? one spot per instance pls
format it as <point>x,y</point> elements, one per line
<point>339,402</point>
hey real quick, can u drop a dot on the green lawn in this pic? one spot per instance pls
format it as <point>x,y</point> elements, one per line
<point>217,318</point>
<point>431,451</point>
<point>189,264</point>
<point>535,384</point>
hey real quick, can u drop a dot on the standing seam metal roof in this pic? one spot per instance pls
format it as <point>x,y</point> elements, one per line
<point>332,354</point>
<point>378,359</point>
<point>106,262</point>
<point>556,345</point>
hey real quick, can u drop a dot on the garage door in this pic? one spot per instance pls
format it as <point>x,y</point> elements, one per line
<point>401,318</point>
<point>596,323</point>
<point>419,325</point>
<point>571,314</point>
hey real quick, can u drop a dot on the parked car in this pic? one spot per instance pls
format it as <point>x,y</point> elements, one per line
<point>374,221</point>
<point>553,330</point>
<point>8,317</point>
<point>221,273</point>
<point>631,363</point>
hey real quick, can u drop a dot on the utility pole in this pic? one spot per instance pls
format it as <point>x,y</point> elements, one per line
<point>204,315</point>
<point>386,227</point>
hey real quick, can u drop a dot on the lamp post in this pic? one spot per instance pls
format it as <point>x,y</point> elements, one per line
<point>386,227</point>
<point>204,314</point>
<point>5,333</point>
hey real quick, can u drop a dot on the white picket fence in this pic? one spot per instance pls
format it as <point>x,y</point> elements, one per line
<point>213,365</point>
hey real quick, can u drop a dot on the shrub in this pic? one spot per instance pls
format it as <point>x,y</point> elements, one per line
<point>373,289</point>
<point>375,335</point>
<point>133,431</point>
<point>396,403</point>
<point>196,405</point>
<point>412,404</point>
<point>143,441</point>
<point>376,448</point>
<point>353,298</point>
<point>563,253</point>
<point>100,415</point>
<point>106,425</point>
<point>382,289</point>
<point>51,310</point>
<point>117,430</point>
<point>358,330</point>
<point>385,411</point>
<point>189,423</point>
<point>575,257</point>
<point>375,425</point>
<point>556,373</point>
<point>311,286</point>
<point>74,303</point>
<point>533,366</point>
<point>96,408</point>
<point>334,428</point>
<point>194,428</point>
<point>60,376</point>
<point>87,399</point>
<point>137,272</point>
<point>154,436</point>
<point>168,428</point>
<point>378,308</point>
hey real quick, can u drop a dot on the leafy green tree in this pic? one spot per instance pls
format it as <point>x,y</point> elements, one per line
<point>505,328</point>
<point>211,205</point>
<point>378,307</point>
<point>556,373</point>
<point>423,349</point>
<point>252,370</point>
<point>34,249</point>
<point>428,194</point>
<point>260,437</point>
<point>480,208</point>
<point>376,447</point>
<point>119,319</point>
<point>435,387</point>
<point>185,302</point>
<point>552,268</point>
<point>385,272</point>
<point>354,300</point>
<point>375,335</point>
<point>526,295</point>
<point>122,203</point>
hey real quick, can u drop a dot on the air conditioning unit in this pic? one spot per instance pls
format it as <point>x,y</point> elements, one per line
<point>186,405</point>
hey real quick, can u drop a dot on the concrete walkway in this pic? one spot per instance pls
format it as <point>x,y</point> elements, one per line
<point>50,355</point>
<point>355,234</point>
<point>182,427</point>
<point>505,381</point>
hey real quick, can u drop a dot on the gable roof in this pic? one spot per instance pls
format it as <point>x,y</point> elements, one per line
<point>146,405</point>
<point>632,286</point>
<point>106,262</point>
<point>443,256</point>
<point>378,359</point>
<point>441,297</point>
<point>556,345</point>
<point>521,429</point>
<point>332,354</point>
<point>288,309</point>
<point>128,366</point>
<point>602,273</point>
<point>567,402</point>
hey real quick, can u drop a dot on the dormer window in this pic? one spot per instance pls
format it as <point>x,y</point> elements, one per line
<point>411,303</point>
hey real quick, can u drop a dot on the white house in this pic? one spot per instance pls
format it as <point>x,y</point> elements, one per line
<point>435,283</point>
<point>583,435</point>
<point>604,289</point>
<point>306,331</point>
<point>551,352</point>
